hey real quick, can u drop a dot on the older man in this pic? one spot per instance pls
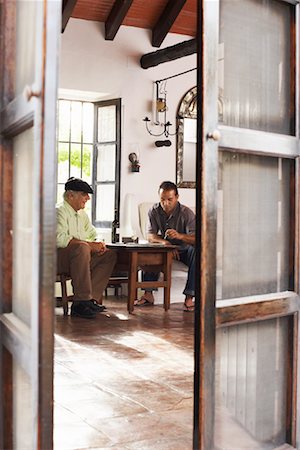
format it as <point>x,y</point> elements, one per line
<point>170,222</point>
<point>88,262</point>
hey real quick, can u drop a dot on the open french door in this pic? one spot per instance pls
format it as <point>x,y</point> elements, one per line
<point>28,72</point>
<point>247,319</point>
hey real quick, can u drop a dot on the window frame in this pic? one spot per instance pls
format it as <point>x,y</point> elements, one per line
<point>94,156</point>
<point>117,142</point>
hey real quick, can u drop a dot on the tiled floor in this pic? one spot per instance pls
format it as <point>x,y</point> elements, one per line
<point>124,381</point>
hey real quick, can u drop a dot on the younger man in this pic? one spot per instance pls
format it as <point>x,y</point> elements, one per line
<point>169,222</point>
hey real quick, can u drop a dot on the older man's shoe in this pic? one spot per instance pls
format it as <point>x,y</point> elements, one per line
<point>94,306</point>
<point>82,309</point>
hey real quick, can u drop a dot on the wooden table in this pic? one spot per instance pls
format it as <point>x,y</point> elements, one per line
<point>150,258</point>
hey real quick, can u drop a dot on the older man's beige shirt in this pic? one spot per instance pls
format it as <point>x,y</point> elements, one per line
<point>72,224</point>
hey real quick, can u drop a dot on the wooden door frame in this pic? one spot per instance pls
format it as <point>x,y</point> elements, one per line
<point>18,114</point>
<point>7,56</point>
<point>206,223</point>
<point>209,314</point>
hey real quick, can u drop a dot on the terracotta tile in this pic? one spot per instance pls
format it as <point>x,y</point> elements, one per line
<point>124,381</point>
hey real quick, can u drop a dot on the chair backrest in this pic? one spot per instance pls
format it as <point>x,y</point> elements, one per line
<point>143,217</point>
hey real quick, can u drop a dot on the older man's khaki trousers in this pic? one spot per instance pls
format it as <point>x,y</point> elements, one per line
<point>90,272</point>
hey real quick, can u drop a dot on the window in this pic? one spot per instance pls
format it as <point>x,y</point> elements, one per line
<point>107,162</point>
<point>89,148</point>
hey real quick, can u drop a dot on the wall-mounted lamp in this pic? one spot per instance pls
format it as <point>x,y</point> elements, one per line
<point>166,127</point>
<point>160,108</point>
<point>135,165</point>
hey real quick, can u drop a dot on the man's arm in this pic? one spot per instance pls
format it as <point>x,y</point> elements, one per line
<point>63,237</point>
<point>153,229</point>
<point>155,238</point>
<point>96,247</point>
<point>188,236</point>
<point>189,239</point>
<point>173,234</point>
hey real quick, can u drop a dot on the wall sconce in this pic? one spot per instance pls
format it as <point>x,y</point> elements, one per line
<point>166,127</point>
<point>135,165</point>
<point>160,107</point>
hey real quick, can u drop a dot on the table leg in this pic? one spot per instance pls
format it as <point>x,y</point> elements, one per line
<point>132,280</point>
<point>167,276</point>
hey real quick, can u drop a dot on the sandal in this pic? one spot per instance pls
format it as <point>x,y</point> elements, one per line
<point>143,301</point>
<point>188,308</point>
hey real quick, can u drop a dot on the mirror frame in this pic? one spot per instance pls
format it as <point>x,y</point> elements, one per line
<point>187,110</point>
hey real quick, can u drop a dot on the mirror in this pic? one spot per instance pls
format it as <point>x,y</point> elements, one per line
<point>186,140</point>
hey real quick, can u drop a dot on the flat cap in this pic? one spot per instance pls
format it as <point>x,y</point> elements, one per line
<point>76,184</point>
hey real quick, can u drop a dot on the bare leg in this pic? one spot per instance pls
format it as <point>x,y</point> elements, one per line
<point>147,299</point>
<point>189,304</point>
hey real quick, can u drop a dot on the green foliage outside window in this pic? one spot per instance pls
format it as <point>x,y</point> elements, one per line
<point>83,163</point>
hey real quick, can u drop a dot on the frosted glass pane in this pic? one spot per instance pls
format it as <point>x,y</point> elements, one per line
<point>88,123</point>
<point>64,120</point>
<point>76,121</point>
<point>22,410</point>
<point>25,43</point>
<point>105,203</point>
<point>107,123</point>
<point>23,225</point>
<point>251,385</point>
<point>106,163</point>
<point>254,65</point>
<point>253,225</point>
<point>190,130</point>
<point>189,166</point>
<point>189,149</point>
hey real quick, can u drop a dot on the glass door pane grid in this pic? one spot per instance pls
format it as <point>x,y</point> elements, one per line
<point>263,100</point>
<point>255,216</point>
<point>75,144</point>
<point>252,366</point>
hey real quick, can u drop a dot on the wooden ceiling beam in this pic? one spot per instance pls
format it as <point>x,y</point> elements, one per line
<point>67,9</point>
<point>166,21</point>
<point>116,17</point>
<point>168,54</point>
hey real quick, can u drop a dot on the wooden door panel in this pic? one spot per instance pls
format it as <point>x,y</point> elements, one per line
<point>27,220</point>
<point>251,318</point>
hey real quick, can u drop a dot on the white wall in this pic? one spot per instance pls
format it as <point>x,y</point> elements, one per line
<point>112,69</point>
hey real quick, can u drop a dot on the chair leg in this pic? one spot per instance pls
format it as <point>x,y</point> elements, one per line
<point>64,295</point>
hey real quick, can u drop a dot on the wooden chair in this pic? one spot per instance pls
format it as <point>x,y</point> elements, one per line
<point>116,282</point>
<point>62,278</point>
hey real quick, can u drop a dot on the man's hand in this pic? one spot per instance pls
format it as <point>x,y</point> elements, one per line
<point>98,247</point>
<point>173,234</point>
<point>186,238</point>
